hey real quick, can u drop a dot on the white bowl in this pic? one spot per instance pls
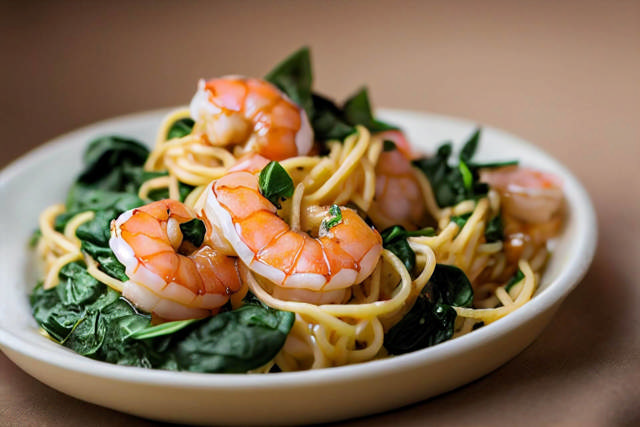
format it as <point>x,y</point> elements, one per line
<point>42,177</point>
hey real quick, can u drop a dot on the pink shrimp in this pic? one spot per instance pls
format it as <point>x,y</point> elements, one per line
<point>251,112</point>
<point>527,195</point>
<point>398,197</point>
<point>169,277</point>
<point>316,270</point>
<point>531,206</point>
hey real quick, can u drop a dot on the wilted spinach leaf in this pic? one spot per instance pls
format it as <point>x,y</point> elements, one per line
<point>109,161</point>
<point>394,239</point>
<point>94,320</point>
<point>425,325</point>
<point>193,231</point>
<point>449,285</point>
<point>450,184</point>
<point>327,121</point>
<point>494,231</point>
<point>431,320</point>
<point>515,279</point>
<point>180,128</point>
<point>235,341</point>
<point>460,220</point>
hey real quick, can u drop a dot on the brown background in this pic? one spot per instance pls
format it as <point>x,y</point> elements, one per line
<point>562,74</point>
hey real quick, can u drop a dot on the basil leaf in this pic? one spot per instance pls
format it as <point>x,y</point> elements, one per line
<point>180,128</point>
<point>193,231</point>
<point>335,218</point>
<point>294,77</point>
<point>275,183</point>
<point>357,111</point>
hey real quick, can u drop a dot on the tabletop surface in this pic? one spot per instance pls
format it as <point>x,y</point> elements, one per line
<point>561,74</point>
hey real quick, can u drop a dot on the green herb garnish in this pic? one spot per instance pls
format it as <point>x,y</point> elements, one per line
<point>275,183</point>
<point>334,218</point>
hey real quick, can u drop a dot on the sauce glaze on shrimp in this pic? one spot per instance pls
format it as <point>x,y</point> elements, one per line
<point>168,276</point>
<point>253,113</point>
<point>316,270</point>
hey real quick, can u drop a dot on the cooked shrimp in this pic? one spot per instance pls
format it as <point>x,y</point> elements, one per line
<point>169,277</point>
<point>398,198</point>
<point>253,113</point>
<point>531,208</point>
<point>315,268</point>
<point>526,194</point>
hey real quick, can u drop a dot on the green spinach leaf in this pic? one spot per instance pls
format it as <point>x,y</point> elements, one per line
<point>449,285</point>
<point>394,239</point>
<point>109,162</point>
<point>193,231</point>
<point>235,341</point>
<point>180,128</point>
<point>94,320</point>
<point>494,232</point>
<point>452,185</point>
<point>515,279</point>
<point>327,121</point>
<point>425,325</point>
<point>431,320</point>
<point>460,220</point>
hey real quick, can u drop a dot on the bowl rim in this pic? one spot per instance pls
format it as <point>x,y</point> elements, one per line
<point>577,264</point>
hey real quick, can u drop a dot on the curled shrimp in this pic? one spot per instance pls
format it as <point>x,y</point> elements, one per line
<point>398,196</point>
<point>531,206</point>
<point>301,267</point>
<point>168,276</point>
<point>527,195</point>
<point>253,113</point>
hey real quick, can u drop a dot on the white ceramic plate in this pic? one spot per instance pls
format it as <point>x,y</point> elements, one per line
<point>42,177</point>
